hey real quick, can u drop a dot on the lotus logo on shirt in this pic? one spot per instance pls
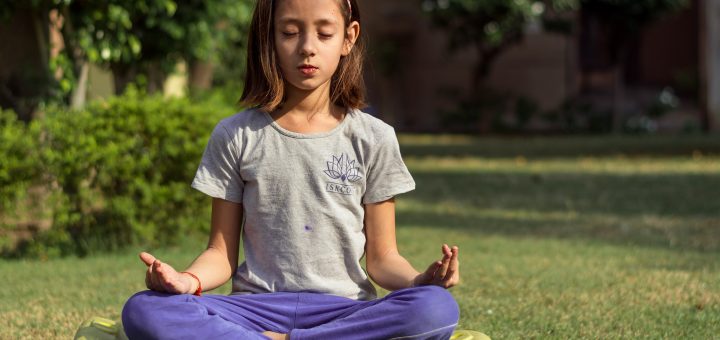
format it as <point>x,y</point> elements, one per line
<point>342,169</point>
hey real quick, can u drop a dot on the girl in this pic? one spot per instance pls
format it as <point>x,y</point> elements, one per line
<point>310,181</point>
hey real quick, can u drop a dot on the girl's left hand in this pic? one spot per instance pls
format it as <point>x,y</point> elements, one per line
<point>444,273</point>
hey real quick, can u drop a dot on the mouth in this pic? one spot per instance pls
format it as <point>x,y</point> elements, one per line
<point>307,69</point>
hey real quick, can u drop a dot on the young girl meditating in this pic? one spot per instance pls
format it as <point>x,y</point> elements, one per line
<point>307,180</point>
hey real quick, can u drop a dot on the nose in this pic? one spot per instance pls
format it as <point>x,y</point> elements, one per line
<point>307,45</point>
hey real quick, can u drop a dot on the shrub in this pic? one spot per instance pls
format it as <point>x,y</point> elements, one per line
<point>120,172</point>
<point>18,169</point>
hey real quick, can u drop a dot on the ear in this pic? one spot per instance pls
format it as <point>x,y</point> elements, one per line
<point>352,34</point>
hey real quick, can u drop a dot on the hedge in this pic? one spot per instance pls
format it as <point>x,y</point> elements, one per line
<point>116,173</point>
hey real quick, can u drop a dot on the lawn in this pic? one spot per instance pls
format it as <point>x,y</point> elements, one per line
<point>574,237</point>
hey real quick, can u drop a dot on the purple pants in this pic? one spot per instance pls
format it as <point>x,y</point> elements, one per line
<point>426,312</point>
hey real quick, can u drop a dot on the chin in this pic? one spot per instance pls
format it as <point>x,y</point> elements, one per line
<point>307,85</point>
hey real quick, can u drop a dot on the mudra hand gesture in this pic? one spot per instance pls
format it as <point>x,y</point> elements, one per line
<point>162,277</point>
<point>444,273</point>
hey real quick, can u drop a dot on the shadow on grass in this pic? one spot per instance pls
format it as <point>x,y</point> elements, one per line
<point>676,211</point>
<point>537,148</point>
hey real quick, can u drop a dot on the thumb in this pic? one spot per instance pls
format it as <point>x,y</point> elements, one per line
<point>428,275</point>
<point>147,258</point>
<point>430,271</point>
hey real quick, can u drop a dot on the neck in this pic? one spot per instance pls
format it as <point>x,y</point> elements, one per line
<point>307,103</point>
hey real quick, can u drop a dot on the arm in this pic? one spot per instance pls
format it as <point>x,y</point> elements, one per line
<point>214,266</point>
<point>218,262</point>
<point>383,261</point>
<point>388,268</point>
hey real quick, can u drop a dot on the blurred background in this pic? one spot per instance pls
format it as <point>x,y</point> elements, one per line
<point>570,147</point>
<point>468,66</point>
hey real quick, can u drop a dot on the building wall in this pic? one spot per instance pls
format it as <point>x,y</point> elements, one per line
<point>23,62</point>
<point>710,63</point>
<point>412,92</point>
<point>669,49</point>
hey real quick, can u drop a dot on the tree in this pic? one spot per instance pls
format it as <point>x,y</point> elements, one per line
<point>488,26</point>
<point>491,26</point>
<point>138,40</point>
<point>148,38</point>
<point>609,27</point>
<point>25,76</point>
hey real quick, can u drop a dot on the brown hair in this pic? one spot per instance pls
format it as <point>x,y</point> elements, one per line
<point>264,84</point>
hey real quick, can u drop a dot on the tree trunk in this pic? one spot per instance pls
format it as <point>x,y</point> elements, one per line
<point>122,76</point>
<point>155,77</point>
<point>41,23</point>
<point>618,98</point>
<point>619,87</point>
<point>482,69</point>
<point>80,63</point>
<point>480,93</point>
<point>200,77</point>
<point>79,95</point>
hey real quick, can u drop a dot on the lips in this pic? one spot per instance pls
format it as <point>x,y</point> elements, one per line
<point>307,69</point>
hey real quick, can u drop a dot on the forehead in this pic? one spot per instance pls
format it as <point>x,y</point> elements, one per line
<point>308,11</point>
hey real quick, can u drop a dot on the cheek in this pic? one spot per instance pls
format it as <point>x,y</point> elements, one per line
<point>284,50</point>
<point>337,46</point>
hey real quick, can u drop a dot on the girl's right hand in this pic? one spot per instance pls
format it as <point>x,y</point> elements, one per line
<point>162,277</point>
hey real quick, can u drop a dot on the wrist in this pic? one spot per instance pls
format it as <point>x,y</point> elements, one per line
<point>415,282</point>
<point>195,285</point>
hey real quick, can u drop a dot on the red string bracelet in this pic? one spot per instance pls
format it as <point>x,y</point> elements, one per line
<point>198,291</point>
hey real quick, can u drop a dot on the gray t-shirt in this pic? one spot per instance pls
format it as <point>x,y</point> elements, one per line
<point>303,197</point>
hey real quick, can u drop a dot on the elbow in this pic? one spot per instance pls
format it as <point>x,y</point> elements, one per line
<point>372,265</point>
<point>371,270</point>
<point>376,277</point>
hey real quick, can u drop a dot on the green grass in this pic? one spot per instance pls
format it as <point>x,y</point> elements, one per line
<point>583,237</point>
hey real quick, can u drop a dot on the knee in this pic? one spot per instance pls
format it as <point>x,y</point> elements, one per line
<point>140,313</point>
<point>432,308</point>
<point>436,303</point>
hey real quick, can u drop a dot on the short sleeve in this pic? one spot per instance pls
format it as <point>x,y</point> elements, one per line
<point>218,174</point>
<point>387,175</point>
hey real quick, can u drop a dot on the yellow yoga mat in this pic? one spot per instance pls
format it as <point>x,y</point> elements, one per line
<point>464,334</point>
<point>97,328</point>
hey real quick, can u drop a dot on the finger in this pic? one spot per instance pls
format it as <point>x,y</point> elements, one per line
<point>455,261</point>
<point>428,277</point>
<point>150,280</point>
<point>450,278</point>
<point>432,268</point>
<point>453,267</point>
<point>147,258</point>
<point>446,250</point>
<point>155,278</point>
<point>148,284</point>
<point>442,271</point>
<point>163,279</point>
<point>167,278</point>
<point>149,273</point>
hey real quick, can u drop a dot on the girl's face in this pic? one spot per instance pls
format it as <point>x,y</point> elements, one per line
<point>310,38</point>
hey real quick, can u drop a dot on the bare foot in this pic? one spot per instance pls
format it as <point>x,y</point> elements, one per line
<point>276,336</point>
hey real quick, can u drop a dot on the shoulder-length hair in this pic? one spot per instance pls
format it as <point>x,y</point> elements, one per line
<point>264,84</point>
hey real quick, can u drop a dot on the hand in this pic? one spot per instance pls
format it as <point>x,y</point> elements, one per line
<point>444,273</point>
<point>162,277</point>
<point>275,336</point>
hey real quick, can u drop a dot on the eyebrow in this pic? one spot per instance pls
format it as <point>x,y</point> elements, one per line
<point>319,22</point>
